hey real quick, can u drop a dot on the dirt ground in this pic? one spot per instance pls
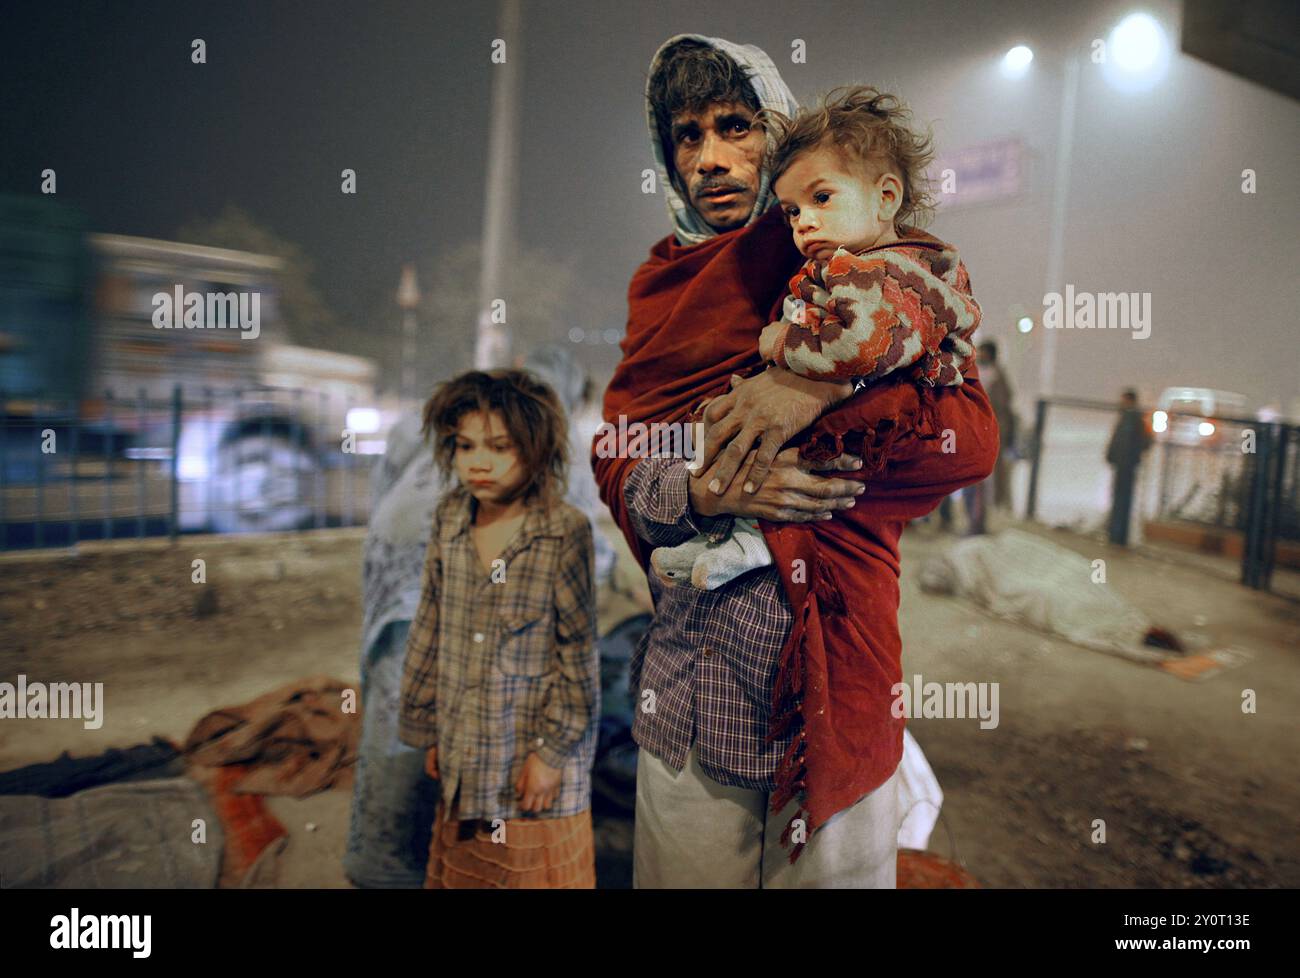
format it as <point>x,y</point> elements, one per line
<point>1193,792</point>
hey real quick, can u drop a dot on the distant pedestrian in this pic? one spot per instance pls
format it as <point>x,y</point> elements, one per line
<point>1130,439</point>
<point>976,497</point>
<point>1002,400</point>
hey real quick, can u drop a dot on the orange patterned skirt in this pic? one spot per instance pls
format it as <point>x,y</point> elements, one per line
<point>527,853</point>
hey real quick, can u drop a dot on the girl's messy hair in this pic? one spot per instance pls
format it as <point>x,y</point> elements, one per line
<point>532,415</point>
<point>868,127</point>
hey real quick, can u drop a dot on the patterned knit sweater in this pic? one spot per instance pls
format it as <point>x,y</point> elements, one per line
<point>902,305</point>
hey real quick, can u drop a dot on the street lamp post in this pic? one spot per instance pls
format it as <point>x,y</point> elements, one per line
<point>1060,204</point>
<point>492,342</point>
<point>408,298</point>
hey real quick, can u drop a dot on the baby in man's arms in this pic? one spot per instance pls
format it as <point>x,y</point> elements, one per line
<point>877,297</point>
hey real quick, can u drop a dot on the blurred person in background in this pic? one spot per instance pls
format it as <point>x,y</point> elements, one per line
<point>976,498</point>
<point>1002,400</point>
<point>392,797</point>
<point>555,365</point>
<point>1128,442</point>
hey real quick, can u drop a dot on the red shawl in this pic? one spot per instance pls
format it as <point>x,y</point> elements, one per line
<point>694,315</point>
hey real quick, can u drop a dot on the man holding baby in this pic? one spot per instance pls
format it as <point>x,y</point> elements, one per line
<point>823,342</point>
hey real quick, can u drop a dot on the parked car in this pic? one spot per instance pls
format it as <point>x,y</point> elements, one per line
<point>1188,415</point>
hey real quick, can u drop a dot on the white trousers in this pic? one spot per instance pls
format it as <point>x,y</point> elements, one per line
<point>692,832</point>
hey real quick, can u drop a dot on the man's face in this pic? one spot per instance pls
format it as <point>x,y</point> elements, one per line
<point>717,152</point>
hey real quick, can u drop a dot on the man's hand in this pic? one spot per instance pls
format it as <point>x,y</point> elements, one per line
<point>793,494</point>
<point>770,408</point>
<point>538,785</point>
<point>431,763</point>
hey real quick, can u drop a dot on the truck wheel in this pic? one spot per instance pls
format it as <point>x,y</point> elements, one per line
<point>262,483</point>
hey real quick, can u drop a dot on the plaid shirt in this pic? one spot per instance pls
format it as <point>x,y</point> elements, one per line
<point>497,670</point>
<point>709,657</point>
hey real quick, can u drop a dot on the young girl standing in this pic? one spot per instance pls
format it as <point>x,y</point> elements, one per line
<point>501,683</point>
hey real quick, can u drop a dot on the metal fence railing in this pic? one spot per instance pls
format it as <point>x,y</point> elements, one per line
<point>1220,485</point>
<point>223,461</point>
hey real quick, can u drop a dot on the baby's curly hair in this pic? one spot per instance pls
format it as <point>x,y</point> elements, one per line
<point>867,126</point>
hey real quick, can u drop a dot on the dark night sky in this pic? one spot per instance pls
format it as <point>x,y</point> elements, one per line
<point>291,94</point>
<point>294,92</point>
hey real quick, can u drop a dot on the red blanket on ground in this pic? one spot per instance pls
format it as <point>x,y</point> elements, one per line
<point>694,316</point>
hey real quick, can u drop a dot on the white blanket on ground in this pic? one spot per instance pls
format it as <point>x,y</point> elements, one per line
<point>1027,579</point>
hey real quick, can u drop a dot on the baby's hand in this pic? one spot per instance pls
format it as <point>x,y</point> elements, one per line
<point>767,339</point>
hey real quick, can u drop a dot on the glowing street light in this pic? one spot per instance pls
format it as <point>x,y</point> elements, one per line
<point>1136,42</point>
<point>1016,61</point>
<point>1137,53</point>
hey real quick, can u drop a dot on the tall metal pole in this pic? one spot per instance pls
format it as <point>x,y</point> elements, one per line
<point>1060,203</point>
<point>492,346</point>
<point>173,519</point>
<point>408,298</point>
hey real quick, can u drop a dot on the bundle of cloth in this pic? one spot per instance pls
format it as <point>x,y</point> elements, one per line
<point>295,740</point>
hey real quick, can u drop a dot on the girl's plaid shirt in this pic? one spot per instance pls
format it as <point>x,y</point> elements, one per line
<point>503,664</point>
